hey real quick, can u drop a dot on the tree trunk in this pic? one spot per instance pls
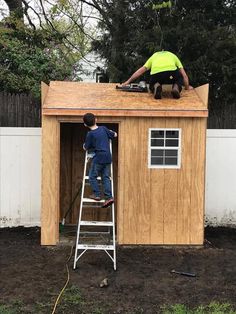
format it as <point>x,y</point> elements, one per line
<point>15,8</point>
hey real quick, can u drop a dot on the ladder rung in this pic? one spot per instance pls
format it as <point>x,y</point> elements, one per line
<point>94,247</point>
<point>94,232</point>
<point>90,200</point>
<point>96,223</point>
<point>94,205</point>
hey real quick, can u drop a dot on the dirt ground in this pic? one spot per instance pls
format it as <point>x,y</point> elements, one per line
<point>32,276</point>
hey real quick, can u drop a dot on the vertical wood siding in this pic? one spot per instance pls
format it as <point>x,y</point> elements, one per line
<point>51,181</point>
<point>155,206</point>
<point>162,206</point>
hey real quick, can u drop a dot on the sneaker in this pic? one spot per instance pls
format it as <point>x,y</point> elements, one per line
<point>175,92</point>
<point>108,202</point>
<point>157,91</point>
<point>94,197</point>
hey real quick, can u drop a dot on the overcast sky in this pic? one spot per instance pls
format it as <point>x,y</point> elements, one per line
<point>3,9</point>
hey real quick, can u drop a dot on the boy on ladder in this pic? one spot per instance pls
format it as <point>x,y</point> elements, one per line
<point>98,140</point>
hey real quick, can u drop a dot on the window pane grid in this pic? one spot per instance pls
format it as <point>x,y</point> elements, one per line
<point>167,153</point>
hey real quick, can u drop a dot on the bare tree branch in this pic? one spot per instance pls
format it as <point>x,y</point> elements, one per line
<point>26,7</point>
<point>99,8</point>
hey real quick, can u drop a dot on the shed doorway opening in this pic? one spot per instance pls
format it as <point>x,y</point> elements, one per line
<point>72,157</point>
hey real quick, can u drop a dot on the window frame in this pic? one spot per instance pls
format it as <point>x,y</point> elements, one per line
<point>178,148</point>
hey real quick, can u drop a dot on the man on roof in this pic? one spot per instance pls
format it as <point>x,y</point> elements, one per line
<point>165,68</point>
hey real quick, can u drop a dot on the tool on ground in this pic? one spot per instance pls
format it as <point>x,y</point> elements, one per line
<point>140,87</point>
<point>183,273</point>
<point>82,238</point>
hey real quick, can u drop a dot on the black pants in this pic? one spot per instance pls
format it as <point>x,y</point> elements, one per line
<point>166,77</point>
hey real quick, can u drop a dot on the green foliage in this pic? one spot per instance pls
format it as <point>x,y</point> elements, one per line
<point>201,33</point>
<point>212,308</point>
<point>164,4</point>
<point>4,309</point>
<point>72,296</point>
<point>29,56</point>
<point>15,307</point>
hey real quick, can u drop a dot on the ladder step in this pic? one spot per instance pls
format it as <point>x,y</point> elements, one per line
<point>96,223</point>
<point>94,247</point>
<point>90,200</point>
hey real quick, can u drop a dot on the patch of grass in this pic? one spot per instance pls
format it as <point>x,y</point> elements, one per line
<point>72,296</point>
<point>41,307</point>
<point>14,307</point>
<point>98,311</point>
<point>4,309</point>
<point>212,308</point>
<point>217,308</point>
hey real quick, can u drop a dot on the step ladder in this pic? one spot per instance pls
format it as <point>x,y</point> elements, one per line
<point>81,247</point>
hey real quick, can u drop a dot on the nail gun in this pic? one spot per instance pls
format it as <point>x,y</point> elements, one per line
<point>140,87</point>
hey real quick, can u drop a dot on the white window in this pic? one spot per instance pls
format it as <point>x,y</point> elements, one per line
<point>164,148</point>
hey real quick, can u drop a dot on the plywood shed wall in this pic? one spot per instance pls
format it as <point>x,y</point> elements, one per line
<point>162,206</point>
<point>154,206</point>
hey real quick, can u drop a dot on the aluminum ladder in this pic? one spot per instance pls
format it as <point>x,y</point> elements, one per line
<point>81,248</point>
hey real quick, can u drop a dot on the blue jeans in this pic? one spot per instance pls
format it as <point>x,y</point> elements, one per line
<point>103,170</point>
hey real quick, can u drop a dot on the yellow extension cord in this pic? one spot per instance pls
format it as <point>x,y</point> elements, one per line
<point>67,281</point>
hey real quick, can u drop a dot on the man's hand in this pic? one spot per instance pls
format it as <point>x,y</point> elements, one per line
<point>135,75</point>
<point>125,83</point>
<point>189,87</point>
<point>115,134</point>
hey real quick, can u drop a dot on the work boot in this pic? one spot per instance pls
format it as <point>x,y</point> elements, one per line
<point>157,91</point>
<point>175,92</point>
<point>108,202</point>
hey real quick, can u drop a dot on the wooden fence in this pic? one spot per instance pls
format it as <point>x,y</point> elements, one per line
<point>19,110</point>
<point>22,110</point>
<point>222,117</point>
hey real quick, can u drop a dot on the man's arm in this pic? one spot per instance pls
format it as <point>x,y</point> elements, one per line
<point>135,75</point>
<point>185,78</point>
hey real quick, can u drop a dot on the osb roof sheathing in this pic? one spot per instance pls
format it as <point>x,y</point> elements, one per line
<point>103,99</point>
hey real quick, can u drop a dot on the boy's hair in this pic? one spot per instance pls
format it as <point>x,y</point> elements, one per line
<point>89,119</point>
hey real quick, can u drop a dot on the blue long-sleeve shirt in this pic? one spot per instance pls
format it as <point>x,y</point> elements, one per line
<point>98,141</point>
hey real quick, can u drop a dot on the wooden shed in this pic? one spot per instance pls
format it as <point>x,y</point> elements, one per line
<point>159,159</point>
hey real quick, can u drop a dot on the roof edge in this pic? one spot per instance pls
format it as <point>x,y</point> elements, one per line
<point>203,92</point>
<point>201,113</point>
<point>44,91</point>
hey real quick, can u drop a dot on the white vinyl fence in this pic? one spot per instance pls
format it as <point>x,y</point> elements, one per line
<point>20,177</point>
<point>221,178</point>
